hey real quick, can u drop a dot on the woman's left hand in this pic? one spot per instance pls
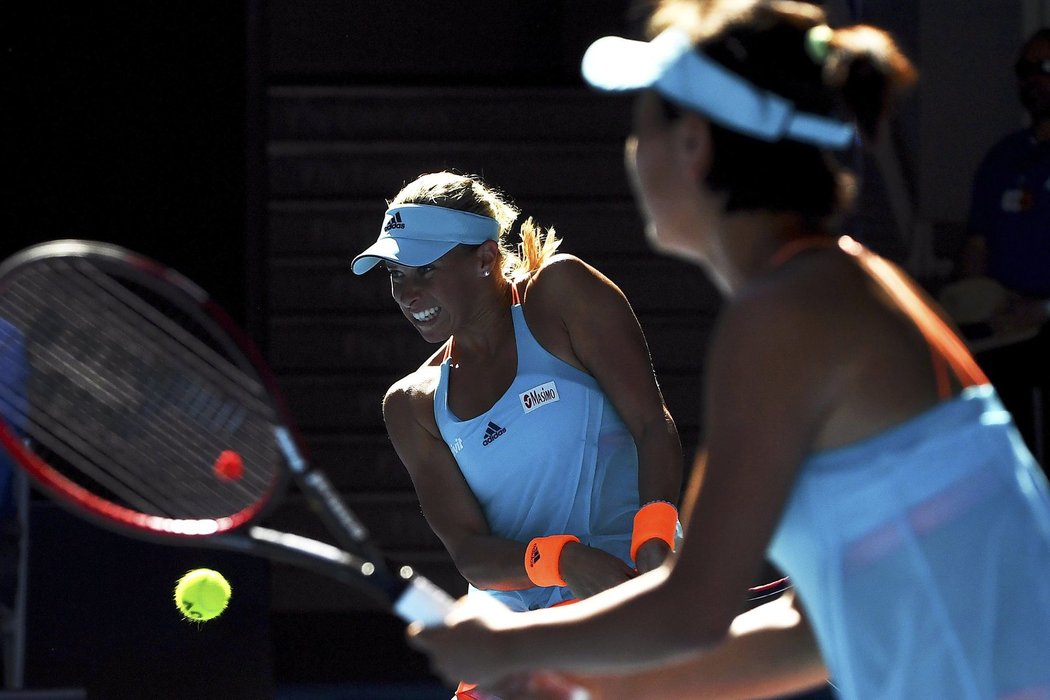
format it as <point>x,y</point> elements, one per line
<point>651,555</point>
<point>467,647</point>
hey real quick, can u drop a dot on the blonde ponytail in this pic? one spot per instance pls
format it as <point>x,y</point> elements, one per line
<point>535,248</point>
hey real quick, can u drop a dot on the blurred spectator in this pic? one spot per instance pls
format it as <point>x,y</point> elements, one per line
<point>1001,297</point>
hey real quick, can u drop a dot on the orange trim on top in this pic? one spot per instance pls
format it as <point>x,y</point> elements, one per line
<point>940,371</point>
<point>938,334</point>
<point>946,348</point>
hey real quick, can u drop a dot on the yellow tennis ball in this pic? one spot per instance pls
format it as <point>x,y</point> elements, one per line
<point>202,594</point>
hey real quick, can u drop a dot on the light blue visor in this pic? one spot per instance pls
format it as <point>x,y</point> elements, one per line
<point>671,65</point>
<point>414,235</point>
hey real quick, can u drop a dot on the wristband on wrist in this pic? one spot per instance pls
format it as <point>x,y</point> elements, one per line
<point>543,559</point>
<point>655,520</point>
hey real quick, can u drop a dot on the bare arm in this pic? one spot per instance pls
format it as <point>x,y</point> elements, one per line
<point>451,510</point>
<point>605,339</point>
<point>770,652</point>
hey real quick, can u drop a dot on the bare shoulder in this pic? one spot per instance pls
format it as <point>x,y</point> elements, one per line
<point>818,338</point>
<point>419,385</point>
<point>817,300</point>
<point>567,279</point>
<point>411,399</point>
<point>802,329</point>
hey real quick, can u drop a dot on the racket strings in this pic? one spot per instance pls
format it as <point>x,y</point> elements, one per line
<point>127,445</point>
<point>152,406</point>
<point>193,399</point>
<point>91,428</point>
<point>168,326</point>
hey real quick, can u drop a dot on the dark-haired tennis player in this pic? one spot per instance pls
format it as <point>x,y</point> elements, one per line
<point>849,433</point>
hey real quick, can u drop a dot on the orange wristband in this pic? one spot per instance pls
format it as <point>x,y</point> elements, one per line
<point>657,520</point>
<point>543,559</point>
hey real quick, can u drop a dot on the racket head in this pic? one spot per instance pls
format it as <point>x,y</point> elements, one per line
<point>130,397</point>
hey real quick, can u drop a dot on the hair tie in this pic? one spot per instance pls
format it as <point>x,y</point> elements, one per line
<point>818,40</point>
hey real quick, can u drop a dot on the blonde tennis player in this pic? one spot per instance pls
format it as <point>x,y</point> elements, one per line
<point>536,437</point>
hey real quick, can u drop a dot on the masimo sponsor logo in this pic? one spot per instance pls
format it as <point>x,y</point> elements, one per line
<point>538,396</point>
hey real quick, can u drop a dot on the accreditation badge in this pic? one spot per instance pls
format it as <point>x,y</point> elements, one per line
<point>1016,200</point>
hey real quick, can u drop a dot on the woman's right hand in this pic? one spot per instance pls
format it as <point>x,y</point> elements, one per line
<point>588,570</point>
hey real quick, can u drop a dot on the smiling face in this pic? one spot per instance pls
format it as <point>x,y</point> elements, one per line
<point>438,298</point>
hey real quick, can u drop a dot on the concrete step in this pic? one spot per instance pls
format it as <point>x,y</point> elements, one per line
<point>343,228</point>
<point>388,343</point>
<point>293,589</point>
<point>378,169</point>
<point>567,115</point>
<point>358,463</point>
<point>319,285</point>
<point>393,517</point>
<point>351,404</point>
<point>366,463</point>
<point>398,528</point>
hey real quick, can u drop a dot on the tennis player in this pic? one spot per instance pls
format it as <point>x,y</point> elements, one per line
<point>849,433</point>
<point>536,437</point>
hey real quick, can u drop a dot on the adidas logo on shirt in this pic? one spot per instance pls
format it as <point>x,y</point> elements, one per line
<point>394,222</point>
<point>492,432</point>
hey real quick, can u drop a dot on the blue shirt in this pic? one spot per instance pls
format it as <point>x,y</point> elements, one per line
<point>551,457</point>
<point>1010,207</point>
<point>922,557</point>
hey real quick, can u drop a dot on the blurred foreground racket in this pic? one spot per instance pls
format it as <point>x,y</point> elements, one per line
<point>132,399</point>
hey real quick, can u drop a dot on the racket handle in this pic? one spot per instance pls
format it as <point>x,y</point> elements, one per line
<point>423,601</point>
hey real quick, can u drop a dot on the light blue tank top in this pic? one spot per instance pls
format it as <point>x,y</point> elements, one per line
<point>922,557</point>
<point>551,457</point>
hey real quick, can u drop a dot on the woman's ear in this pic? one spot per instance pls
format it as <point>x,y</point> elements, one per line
<point>695,143</point>
<point>488,258</point>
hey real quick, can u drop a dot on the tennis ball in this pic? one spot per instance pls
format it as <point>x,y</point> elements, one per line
<point>202,594</point>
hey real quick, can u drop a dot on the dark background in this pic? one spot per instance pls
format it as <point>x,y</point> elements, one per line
<point>126,123</point>
<point>145,125</point>
<point>129,127</point>
<point>163,127</point>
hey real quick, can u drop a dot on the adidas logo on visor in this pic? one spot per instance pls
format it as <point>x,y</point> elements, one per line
<point>394,222</point>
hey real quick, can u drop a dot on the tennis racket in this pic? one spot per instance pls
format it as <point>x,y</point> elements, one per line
<point>132,399</point>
